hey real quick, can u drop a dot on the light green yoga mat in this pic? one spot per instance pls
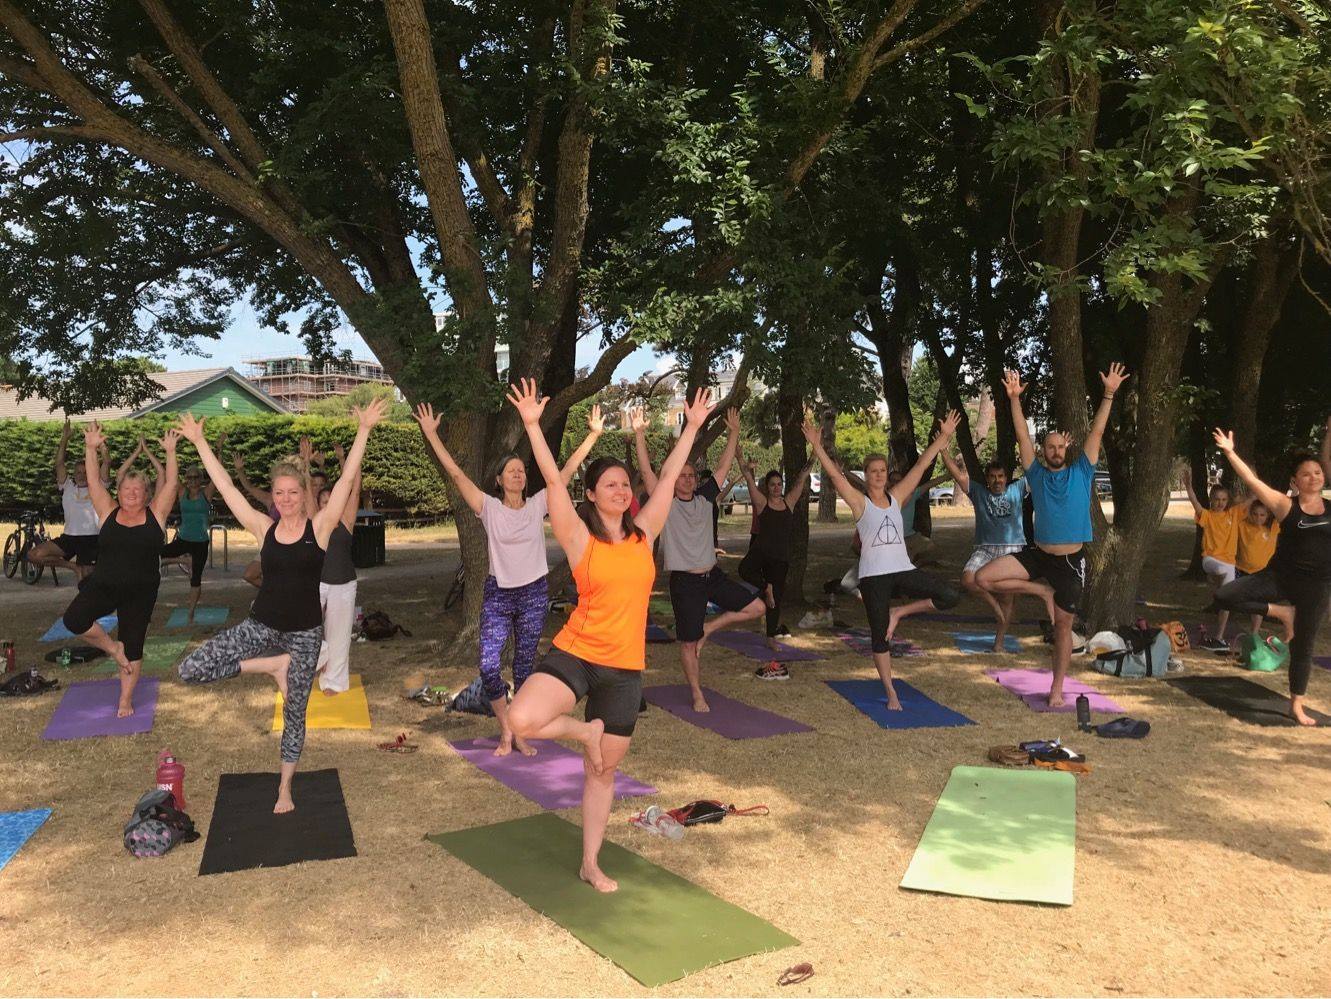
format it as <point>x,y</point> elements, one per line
<point>657,927</point>
<point>160,655</point>
<point>1001,834</point>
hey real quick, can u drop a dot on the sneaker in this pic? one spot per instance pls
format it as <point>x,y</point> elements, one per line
<point>1078,644</point>
<point>772,671</point>
<point>1215,645</point>
<point>782,631</point>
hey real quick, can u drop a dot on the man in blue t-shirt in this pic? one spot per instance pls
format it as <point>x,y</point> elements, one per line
<point>998,532</point>
<point>1061,491</point>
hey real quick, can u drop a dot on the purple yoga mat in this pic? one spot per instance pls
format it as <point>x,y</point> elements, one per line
<point>552,778</point>
<point>1323,661</point>
<point>1032,686</point>
<point>858,639</point>
<point>728,717</point>
<point>754,645</point>
<point>89,709</point>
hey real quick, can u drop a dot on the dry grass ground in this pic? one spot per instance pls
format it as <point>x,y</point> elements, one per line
<point>1203,860</point>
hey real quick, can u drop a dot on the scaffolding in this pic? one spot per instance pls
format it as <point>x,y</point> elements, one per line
<point>298,381</point>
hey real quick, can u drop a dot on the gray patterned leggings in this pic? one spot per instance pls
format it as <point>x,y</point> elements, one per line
<point>219,658</point>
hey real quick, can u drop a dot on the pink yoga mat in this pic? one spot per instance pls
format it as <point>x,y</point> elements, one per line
<point>552,778</point>
<point>89,709</point>
<point>1032,686</point>
<point>753,645</point>
<point>728,717</point>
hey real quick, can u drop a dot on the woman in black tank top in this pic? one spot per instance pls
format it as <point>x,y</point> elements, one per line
<point>768,560</point>
<point>124,581</point>
<point>286,614</point>
<point>1300,570</point>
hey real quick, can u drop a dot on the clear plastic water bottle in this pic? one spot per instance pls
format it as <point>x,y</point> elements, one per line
<point>664,823</point>
<point>66,657</point>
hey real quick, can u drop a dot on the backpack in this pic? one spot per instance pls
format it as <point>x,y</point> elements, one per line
<point>1265,655</point>
<point>1147,654</point>
<point>1178,635</point>
<point>157,826</point>
<point>377,626</point>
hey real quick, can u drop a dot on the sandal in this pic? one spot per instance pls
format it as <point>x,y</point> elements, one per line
<point>795,974</point>
<point>399,745</point>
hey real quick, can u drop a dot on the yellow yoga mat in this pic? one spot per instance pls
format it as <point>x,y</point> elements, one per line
<point>348,709</point>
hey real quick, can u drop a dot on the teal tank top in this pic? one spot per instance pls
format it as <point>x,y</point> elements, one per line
<point>193,519</point>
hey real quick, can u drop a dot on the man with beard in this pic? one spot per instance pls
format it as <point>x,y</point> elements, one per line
<point>1061,491</point>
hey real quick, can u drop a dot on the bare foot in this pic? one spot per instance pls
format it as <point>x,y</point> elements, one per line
<point>331,693</point>
<point>768,598</point>
<point>1056,699</point>
<point>700,703</point>
<point>524,747</point>
<point>594,877</point>
<point>999,644</point>
<point>697,646</point>
<point>505,743</point>
<point>284,803</point>
<point>280,678</point>
<point>118,654</point>
<point>892,618</point>
<point>190,618</point>
<point>1300,716</point>
<point>893,704</point>
<point>591,744</point>
<point>126,709</point>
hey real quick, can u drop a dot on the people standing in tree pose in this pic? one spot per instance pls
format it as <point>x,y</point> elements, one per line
<point>998,532</point>
<point>885,570</point>
<point>1061,492</point>
<point>1300,570</point>
<point>1258,532</point>
<point>128,570</point>
<point>516,594</point>
<point>689,555</point>
<point>768,560</point>
<point>601,652</point>
<point>76,548</point>
<point>191,538</point>
<point>1219,521</point>
<point>286,614</point>
<point>337,594</point>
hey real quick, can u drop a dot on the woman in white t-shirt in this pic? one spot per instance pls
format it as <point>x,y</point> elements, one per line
<point>516,597</point>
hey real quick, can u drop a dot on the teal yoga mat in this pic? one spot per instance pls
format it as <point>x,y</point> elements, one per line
<point>204,617</point>
<point>657,927</point>
<point>1009,835</point>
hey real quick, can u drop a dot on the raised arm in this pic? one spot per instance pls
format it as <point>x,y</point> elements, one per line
<point>472,494</point>
<point>568,528</point>
<point>794,492</point>
<point>168,481</point>
<point>366,419</point>
<point>957,470</point>
<point>1325,454</point>
<point>128,463</point>
<point>1014,388</point>
<point>1185,474</point>
<point>851,496</point>
<point>1277,502</point>
<point>61,473</point>
<point>260,496</point>
<point>1112,379</point>
<point>756,498</point>
<point>638,420</point>
<point>353,503</point>
<point>652,517</point>
<point>722,471</point>
<point>595,427</point>
<point>104,463</point>
<point>249,518</point>
<point>101,499</point>
<point>902,491</point>
<point>158,471</point>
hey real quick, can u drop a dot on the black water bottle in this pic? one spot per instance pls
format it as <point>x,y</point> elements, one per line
<point>1083,712</point>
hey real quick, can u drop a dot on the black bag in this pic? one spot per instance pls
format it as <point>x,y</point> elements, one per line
<point>697,813</point>
<point>157,826</point>
<point>27,682</point>
<point>376,626</point>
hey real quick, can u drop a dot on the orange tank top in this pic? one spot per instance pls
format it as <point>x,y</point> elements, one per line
<point>609,625</point>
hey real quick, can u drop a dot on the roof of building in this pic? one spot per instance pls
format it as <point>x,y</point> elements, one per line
<point>174,385</point>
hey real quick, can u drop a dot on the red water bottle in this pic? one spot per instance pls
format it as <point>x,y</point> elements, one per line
<point>11,661</point>
<point>171,777</point>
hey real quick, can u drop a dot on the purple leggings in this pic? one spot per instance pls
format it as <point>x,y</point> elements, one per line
<point>519,610</point>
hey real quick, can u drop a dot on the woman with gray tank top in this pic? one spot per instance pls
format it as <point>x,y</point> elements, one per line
<point>337,594</point>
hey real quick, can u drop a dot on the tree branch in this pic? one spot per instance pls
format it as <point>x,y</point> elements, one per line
<point>948,22</point>
<point>467,126</point>
<point>210,138</point>
<point>595,380</point>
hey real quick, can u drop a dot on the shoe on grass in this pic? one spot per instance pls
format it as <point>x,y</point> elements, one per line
<point>772,671</point>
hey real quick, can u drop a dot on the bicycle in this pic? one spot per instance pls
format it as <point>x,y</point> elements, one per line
<point>30,533</point>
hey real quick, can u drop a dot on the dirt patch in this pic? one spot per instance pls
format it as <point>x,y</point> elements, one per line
<point>1203,861</point>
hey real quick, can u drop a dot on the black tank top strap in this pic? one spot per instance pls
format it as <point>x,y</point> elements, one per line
<point>1303,546</point>
<point>288,600</point>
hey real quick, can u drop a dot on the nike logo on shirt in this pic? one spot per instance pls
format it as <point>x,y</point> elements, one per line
<point>1314,523</point>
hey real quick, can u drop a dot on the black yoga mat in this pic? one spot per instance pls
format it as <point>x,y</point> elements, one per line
<point>244,832</point>
<point>1241,698</point>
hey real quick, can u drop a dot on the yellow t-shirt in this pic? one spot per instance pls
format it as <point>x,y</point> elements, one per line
<point>1256,545</point>
<point>1220,533</point>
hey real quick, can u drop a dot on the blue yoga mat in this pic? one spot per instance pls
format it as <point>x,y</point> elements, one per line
<point>917,709</point>
<point>204,617</point>
<point>655,633</point>
<point>59,633</point>
<point>16,828</point>
<point>982,642</point>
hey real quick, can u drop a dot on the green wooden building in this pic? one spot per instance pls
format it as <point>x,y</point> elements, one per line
<point>204,392</point>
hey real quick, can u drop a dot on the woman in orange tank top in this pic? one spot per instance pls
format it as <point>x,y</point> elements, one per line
<point>601,652</point>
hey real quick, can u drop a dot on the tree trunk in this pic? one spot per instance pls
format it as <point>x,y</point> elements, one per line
<point>790,415</point>
<point>827,497</point>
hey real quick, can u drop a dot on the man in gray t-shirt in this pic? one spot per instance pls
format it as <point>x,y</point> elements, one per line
<point>689,555</point>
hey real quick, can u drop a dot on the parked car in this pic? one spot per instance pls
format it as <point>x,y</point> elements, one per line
<point>1104,488</point>
<point>944,495</point>
<point>738,496</point>
<point>815,486</point>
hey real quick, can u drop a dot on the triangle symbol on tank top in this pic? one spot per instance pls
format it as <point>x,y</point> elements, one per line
<point>887,535</point>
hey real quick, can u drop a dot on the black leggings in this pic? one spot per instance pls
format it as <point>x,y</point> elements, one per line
<point>198,556</point>
<point>132,604</point>
<point>761,570</point>
<point>1253,594</point>
<point>877,592</point>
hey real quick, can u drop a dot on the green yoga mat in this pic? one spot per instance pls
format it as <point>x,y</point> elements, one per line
<point>1003,834</point>
<point>657,927</point>
<point>160,655</point>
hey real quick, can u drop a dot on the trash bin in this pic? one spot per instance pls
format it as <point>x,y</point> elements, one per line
<point>367,540</point>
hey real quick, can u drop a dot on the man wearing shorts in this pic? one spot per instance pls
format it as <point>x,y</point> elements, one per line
<point>76,548</point>
<point>1061,491</point>
<point>689,556</point>
<point>998,532</point>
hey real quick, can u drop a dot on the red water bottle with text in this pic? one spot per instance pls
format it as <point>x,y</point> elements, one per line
<point>171,777</point>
